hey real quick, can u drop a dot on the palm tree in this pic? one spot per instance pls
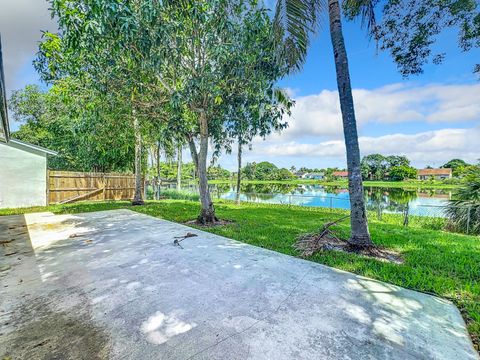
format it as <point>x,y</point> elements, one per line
<point>296,20</point>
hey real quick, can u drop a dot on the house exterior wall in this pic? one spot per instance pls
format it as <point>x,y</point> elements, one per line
<point>23,177</point>
<point>436,177</point>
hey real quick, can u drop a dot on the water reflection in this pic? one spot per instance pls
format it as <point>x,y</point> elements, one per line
<point>380,199</point>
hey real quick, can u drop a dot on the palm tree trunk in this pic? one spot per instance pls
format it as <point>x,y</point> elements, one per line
<point>360,236</point>
<point>137,198</point>
<point>179,168</point>
<point>239,171</point>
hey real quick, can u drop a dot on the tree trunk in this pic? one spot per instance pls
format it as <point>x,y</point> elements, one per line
<point>179,168</point>
<point>239,170</point>
<point>137,198</point>
<point>360,236</point>
<point>207,212</point>
<point>159,181</point>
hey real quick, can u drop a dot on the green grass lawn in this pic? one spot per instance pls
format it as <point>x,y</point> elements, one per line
<point>436,261</point>
<point>414,184</point>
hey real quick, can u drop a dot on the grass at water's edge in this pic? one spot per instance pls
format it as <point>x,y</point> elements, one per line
<point>436,262</point>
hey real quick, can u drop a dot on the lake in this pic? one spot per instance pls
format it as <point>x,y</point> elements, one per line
<point>424,202</point>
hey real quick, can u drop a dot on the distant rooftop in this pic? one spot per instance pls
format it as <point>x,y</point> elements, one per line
<point>433,172</point>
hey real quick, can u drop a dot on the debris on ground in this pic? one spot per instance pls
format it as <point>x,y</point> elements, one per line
<point>178,239</point>
<point>327,240</point>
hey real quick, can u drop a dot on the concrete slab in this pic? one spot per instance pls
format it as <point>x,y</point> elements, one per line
<point>111,285</point>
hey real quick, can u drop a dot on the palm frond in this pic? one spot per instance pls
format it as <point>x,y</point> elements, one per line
<point>464,211</point>
<point>294,22</point>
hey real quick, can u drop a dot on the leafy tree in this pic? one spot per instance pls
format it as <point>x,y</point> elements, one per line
<point>218,173</point>
<point>402,172</point>
<point>75,122</point>
<point>397,160</point>
<point>295,20</point>
<point>105,42</point>
<point>409,28</point>
<point>216,43</point>
<point>459,167</point>
<point>265,171</point>
<point>249,171</point>
<point>374,166</point>
<point>284,174</point>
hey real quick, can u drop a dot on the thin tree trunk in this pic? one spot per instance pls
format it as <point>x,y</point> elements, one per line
<point>207,212</point>
<point>137,198</point>
<point>179,168</point>
<point>159,181</point>
<point>239,170</point>
<point>360,236</point>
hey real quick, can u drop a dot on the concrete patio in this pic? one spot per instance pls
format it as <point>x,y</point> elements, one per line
<point>111,285</point>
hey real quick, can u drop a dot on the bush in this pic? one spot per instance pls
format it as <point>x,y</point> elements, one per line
<point>180,195</point>
<point>464,210</point>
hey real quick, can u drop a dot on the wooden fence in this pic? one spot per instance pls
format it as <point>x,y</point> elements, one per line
<point>69,186</point>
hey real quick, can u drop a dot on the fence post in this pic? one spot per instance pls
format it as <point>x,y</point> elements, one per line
<point>405,220</point>
<point>468,218</point>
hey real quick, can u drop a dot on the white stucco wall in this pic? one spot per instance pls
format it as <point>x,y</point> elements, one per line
<point>23,178</point>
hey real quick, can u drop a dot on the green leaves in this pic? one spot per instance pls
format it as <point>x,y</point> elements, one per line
<point>409,29</point>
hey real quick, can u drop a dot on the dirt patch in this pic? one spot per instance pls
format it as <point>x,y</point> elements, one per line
<point>53,335</point>
<point>220,222</point>
<point>327,240</point>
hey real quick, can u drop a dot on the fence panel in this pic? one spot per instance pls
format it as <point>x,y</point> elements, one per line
<point>70,186</point>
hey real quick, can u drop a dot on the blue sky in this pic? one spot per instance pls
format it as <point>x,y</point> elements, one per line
<point>430,118</point>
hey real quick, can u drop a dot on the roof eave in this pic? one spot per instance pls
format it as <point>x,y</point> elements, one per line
<point>33,147</point>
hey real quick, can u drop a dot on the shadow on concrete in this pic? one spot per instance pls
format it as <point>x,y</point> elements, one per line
<point>32,325</point>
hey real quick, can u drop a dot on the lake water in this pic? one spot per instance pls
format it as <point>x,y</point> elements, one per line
<point>383,200</point>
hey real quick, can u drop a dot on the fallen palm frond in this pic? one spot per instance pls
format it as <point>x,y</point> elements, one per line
<point>326,240</point>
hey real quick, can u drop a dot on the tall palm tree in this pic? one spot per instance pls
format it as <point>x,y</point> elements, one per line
<point>296,20</point>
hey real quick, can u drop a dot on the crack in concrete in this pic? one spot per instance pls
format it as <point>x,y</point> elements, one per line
<point>256,322</point>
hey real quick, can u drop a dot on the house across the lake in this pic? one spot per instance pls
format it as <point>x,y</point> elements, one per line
<point>437,174</point>
<point>313,176</point>
<point>340,174</point>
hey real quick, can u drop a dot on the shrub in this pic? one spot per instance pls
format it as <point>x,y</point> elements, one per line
<point>180,195</point>
<point>464,210</point>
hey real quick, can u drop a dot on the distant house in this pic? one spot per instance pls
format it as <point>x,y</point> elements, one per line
<point>300,174</point>
<point>313,176</point>
<point>340,174</point>
<point>23,166</point>
<point>437,174</point>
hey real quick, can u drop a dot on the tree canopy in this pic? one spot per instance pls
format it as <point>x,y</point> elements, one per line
<point>203,70</point>
<point>75,123</point>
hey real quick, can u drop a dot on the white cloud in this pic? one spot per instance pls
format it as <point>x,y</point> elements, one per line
<point>320,114</point>
<point>434,147</point>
